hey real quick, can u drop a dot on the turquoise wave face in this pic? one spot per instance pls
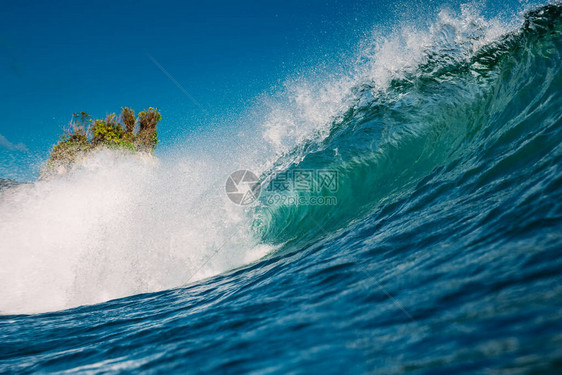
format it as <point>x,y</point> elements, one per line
<point>471,118</point>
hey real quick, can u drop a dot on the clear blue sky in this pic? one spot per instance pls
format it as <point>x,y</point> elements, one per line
<point>60,57</point>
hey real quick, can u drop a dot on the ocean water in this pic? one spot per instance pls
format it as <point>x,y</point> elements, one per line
<point>435,248</point>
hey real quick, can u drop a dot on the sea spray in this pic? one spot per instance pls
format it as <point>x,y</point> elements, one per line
<point>120,224</point>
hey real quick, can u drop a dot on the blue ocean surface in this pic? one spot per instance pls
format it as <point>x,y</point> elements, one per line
<point>436,248</point>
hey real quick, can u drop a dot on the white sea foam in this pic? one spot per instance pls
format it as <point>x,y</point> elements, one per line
<point>307,107</point>
<point>116,226</point>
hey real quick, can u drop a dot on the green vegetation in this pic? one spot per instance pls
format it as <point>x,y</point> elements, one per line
<point>87,134</point>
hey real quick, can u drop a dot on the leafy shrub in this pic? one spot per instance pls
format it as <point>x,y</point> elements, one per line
<point>86,134</point>
<point>147,138</point>
<point>128,118</point>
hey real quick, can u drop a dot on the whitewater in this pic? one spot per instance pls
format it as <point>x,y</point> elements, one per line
<point>442,254</point>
